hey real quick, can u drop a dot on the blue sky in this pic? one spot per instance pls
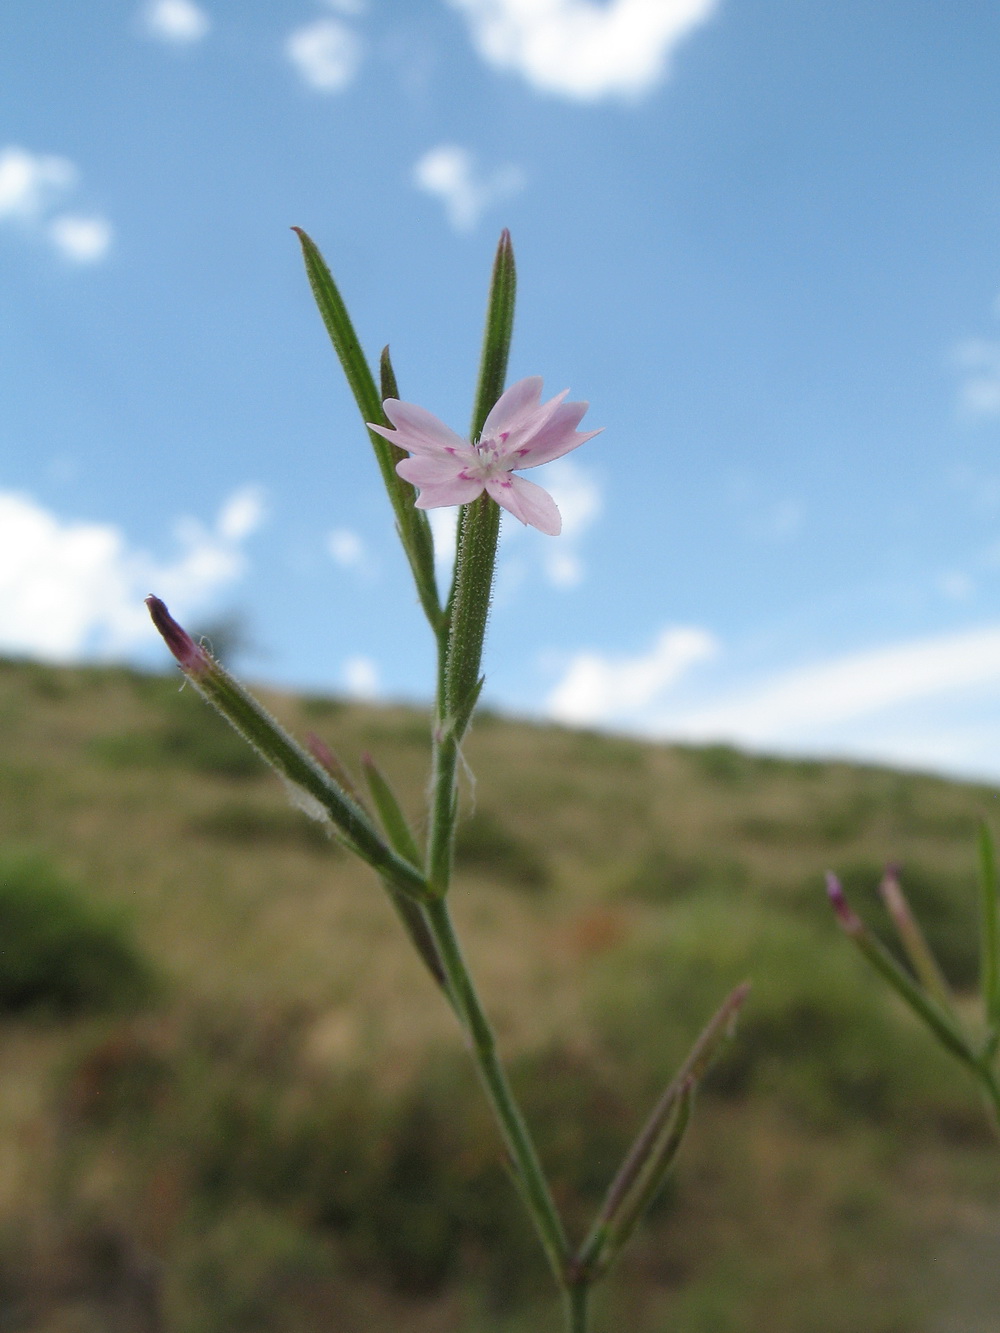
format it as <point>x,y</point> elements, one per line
<point>762,240</point>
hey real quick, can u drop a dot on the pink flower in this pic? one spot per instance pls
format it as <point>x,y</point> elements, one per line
<point>521,431</point>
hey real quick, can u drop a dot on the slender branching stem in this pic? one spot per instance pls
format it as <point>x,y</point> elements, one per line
<point>482,1045</point>
<point>577,1300</point>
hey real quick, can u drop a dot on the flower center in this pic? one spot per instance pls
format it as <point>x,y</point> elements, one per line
<point>492,458</point>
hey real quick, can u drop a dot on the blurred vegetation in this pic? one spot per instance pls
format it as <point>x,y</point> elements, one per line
<point>231,1101</point>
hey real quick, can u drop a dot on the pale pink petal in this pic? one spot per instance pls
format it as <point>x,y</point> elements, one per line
<point>532,424</point>
<point>419,431</point>
<point>425,470</point>
<point>556,437</point>
<point>512,406</point>
<point>528,502</point>
<point>457,492</point>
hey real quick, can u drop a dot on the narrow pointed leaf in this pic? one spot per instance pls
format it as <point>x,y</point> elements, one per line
<point>414,922</point>
<point>619,1231</point>
<point>414,525</point>
<point>914,943</point>
<point>471,593</point>
<point>989,892</point>
<point>393,820</point>
<point>414,529</point>
<point>497,335</point>
<point>943,1026</point>
<point>492,368</point>
<point>652,1154</point>
<point>312,787</point>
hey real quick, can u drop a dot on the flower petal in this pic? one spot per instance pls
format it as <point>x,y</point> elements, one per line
<point>419,431</point>
<point>557,436</point>
<point>426,470</point>
<point>457,492</point>
<point>513,405</point>
<point>528,502</point>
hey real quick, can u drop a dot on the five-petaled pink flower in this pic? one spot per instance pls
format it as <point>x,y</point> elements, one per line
<point>521,431</point>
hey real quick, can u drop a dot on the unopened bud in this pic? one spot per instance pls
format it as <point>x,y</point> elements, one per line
<point>191,657</point>
<point>846,915</point>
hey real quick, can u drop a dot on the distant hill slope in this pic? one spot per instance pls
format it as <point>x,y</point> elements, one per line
<point>609,892</point>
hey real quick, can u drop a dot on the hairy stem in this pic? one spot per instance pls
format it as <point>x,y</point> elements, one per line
<point>527,1169</point>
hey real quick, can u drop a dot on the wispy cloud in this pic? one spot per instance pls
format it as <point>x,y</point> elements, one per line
<point>810,702</point>
<point>84,240</point>
<point>72,589</point>
<point>600,689</point>
<point>178,22</point>
<point>581,50</point>
<point>326,53</point>
<point>576,492</point>
<point>346,548</point>
<point>978,363</point>
<point>31,182</point>
<point>32,186</point>
<point>451,174</point>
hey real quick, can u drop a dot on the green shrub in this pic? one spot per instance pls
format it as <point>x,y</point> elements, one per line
<point>258,825</point>
<point>819,1031</point>
<point>58,951</point>
<point>485,845</point>
<point>191,735</point>
<point>662,876</point>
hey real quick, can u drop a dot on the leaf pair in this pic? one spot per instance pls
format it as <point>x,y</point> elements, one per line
<point>925,990</point>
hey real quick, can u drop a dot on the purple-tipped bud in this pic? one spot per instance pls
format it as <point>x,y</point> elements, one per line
<point>326,758</point>
<point>846,915</point>
<point>191,658</point>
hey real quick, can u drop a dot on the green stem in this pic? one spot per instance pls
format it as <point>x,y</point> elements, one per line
<point>992,1090</point>
<point>459,678</point>
<point>524,1159</point>
<point>577,1297</point>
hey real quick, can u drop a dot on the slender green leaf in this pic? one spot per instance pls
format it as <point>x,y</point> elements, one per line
<point>497,335</point>
<point>649,1159</point>
<point>940,1022</point>
<point>914,943</point>
<point>989,890</point>
<point>414,921</point>
<point>412,525</point>
<point>393,820</point>
<point>308,783</point>
<point>468,608</point>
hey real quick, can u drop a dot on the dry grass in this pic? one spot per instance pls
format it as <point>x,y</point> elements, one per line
<point>836,1157</point>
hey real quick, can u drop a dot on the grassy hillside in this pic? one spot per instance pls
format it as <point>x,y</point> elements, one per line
<point>258,1116</point>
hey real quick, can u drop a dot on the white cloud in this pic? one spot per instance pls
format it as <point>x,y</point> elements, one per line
<point>178,21</point>
<point>579,499</point>
<point>71,589</point>
<point>811,702</point>
<point>450,173</point>
<point>326,54</point>
<point>346,548</point>
<point>595,688</point>
<point>581,50</point>
<point>30,182</point>
<point>83,240</point>
<point>242,514</point>
<point>979,391</point>
<point>955,585</point>
<point>31,185</point>
<point>361,677</point>
<point>444,531</point>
